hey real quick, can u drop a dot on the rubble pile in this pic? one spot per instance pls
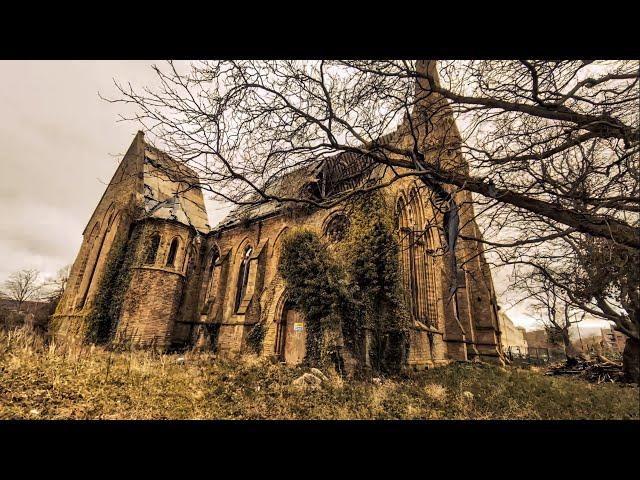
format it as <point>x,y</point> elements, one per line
<point>596,370</point>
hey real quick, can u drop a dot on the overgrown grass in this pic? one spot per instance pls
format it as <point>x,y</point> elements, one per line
<point>84,382</point>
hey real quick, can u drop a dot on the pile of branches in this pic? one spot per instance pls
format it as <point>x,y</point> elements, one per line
<point>598,370</point>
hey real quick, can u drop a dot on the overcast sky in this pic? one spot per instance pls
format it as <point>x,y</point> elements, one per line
<point>59,146</point>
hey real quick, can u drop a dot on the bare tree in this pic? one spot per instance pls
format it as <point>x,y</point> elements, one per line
<point>593,275</point>
<point>22,286</point>
<point>547,150</point>
<point>557,315</point>
<point>55,286</point>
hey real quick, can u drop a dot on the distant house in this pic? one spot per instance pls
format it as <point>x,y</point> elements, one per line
<point>539,344</point>
<point>512,338</point>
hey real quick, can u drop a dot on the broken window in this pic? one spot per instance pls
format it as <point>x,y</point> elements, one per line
<point>243,277</point>
<point>171,258</point>
<point>152,249</point>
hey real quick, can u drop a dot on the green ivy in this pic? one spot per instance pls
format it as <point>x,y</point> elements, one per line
<point>103,320</point>
<point>371,256</point>
<point>358,287</point>
<point>312,278</point>
<point>255,337</point>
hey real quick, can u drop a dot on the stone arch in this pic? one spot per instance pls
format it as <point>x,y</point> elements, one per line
<point>152,245</point>
<point>416,207</point>
<point>278,311</point>
<point>103,256</point>
<point>211,259</point>
<point>91,238</point>
<point>240,248</point>
<point>417,279</point>
<point>277,243</point>
<point>190,255</point>
<point>433,290</point>
<point>404,234</point>
<point>289,342</point>
<point>335,226</point>
<point>242,278</point>
<point>420,281</point>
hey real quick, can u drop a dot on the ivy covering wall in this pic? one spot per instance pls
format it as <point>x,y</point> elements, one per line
<point>370,255</point>
<point>102,321</point>
<point>355,287</point>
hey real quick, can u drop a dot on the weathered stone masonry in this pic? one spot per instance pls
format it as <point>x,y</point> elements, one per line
<point>185,284</point>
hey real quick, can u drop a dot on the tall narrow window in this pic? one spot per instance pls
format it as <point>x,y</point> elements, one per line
<point>210,276</point>
<point>243,277</point>
<point>171,258</point>
<point>152,249</point>
<point>85,255</point>
<point>414,260</point>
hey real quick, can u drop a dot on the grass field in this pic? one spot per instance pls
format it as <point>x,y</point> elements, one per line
<point>83,382</point>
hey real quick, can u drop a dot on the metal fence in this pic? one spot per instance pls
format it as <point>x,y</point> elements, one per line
<point>534,356</point>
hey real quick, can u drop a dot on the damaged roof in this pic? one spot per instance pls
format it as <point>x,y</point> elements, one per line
<point>320,179</point>
<point>171,191</point>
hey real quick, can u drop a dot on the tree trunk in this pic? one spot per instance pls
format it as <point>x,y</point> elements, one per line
<point>631,360</point>
<point>569,350</point>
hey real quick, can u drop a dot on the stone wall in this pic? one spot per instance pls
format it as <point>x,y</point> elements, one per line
<point>154,296</point>
<point>110,221</point>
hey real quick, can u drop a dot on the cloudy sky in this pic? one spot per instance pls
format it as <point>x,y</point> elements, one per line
<point>59,146</point>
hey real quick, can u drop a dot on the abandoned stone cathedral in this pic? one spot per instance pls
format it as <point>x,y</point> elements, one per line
<point>152,263</point>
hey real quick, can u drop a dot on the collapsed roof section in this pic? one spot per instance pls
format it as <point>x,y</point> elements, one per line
<point>171,191</point>
<point>318,180</point>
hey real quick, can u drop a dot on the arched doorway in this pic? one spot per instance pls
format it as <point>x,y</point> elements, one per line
<point>291,335</point>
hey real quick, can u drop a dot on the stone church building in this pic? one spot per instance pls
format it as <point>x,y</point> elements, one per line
<point>150,261</point>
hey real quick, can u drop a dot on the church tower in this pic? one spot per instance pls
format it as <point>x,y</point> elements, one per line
<point>128,277</point>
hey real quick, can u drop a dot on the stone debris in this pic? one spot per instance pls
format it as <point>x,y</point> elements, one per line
<point>319,374</point>
<point>309,380</point>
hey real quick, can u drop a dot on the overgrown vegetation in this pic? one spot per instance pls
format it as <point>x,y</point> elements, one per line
<point>105,312</point>
<point>356,287</point>
<point>371,258</point>
<point>314,286</point>
<point>255,337</point>
<point>84,382</point>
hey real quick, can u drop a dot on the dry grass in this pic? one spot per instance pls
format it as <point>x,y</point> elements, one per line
<point>83,382</point>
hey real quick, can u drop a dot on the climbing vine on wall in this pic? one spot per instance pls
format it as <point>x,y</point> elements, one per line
<point>313,279</point>
<point>357,286</point>
<point>107,305</point>
<point>370,254</point>
<point>255,337</point>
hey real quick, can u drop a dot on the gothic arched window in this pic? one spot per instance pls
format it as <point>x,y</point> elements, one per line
<point>417,245</point>
<point>173,249</point>
<point>152,249</point>
<point>243,277</point>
